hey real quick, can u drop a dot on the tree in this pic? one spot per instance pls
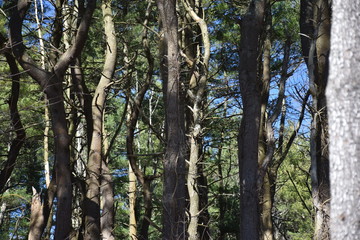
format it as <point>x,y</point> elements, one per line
<point>196,50</point>
<point>174,118</point>
<point>96,164</point>
<point>174,162</point>
<point>251,28</point>
<point>16,123</point>
<point>315,32</point>
<point>51,84</point>
<point>342,94</point>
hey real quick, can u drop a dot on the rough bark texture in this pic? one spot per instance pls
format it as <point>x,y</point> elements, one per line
<point>315,27</point>
<point>92,201</point>
<point>174,163</point>
<point>343,93</point>
<point>251,28</point>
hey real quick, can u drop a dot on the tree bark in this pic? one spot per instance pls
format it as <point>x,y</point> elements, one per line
<point>92,201</point>
<point>199,61</point>
<point>344,108</point>
<point>107,218</point>
<point>266,226</point>
<point>248,139</point>
<point>315,27</point>
<point>174,162</point>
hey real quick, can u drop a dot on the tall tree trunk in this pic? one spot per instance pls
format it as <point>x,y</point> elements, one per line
<point>343,93</point>
<point>196,92</point>
<point>264,193</point>
<point>251,29</point>
<point>92,201</point>
<point>47,114</point>
<point>315,23</point>
<point>174,162</point>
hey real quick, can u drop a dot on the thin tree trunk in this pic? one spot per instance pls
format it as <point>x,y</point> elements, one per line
<point>47,114</point>
<point>2,212</point>
<point>315,24</point>
<point>16,123</point>
<point>248,140</point>
<point>197,85</point>
<point>132,121</point>
<point>92,202</point>
<point>343,93</point>
<point>132,204</point>
<point>222,201</point>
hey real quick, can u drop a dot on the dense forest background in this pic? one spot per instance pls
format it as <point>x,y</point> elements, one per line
<point>164,119</point>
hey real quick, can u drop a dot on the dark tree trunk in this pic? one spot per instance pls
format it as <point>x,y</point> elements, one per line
<point>251,29</point>
<point>174,163</point>
<point>16,123</point>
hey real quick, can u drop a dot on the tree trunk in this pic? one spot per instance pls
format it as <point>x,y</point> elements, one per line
<point>16,123</point>
<point>132,204</point>
<point>174,162</point>
<point>315,23</point>
<point>266,226</point>
<point>107,218</point>
<point>196,92</point>
<point>47,114</point>
<point>251,29</point>
<point>92,202</point>
<point>343,93</point>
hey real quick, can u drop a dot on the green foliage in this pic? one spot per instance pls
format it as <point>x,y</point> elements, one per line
<point>293,203</point>
<point>285,20</point>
